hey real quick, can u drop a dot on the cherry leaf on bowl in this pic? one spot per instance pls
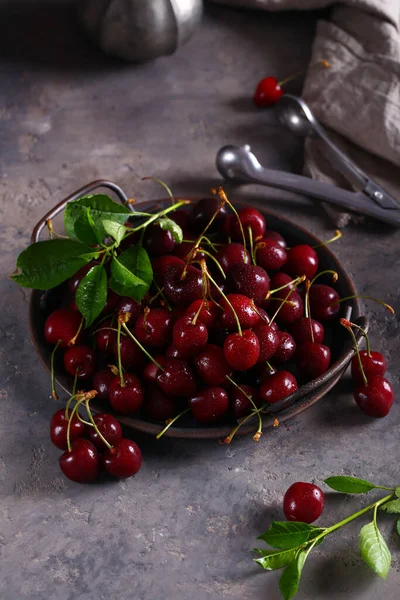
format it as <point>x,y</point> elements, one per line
<point>101,206</point>
<point>170,225</point>
<point>85,228</point>
<point>91,295</point>
<point>131,273</point>
<point>115,230</point>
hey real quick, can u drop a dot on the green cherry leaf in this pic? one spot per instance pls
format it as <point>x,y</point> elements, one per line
<point>275,559</point>
<point>101,206</point>
<point>290,579</point>
<point>374,550</point>
<point>131,273</point>
<point>289,534</point>
<point>91,295</point>
<point>138,262</point>
<point>349,485</point>
<point>85,229</point>
<point>397,492</point>
<point>398,526</point>
<point>46,264</point>
<point>115,230</point>
<point>170,225</point>
<point>392,507</point>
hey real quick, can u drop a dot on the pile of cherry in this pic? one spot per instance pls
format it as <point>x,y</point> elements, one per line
<point>228,309</point>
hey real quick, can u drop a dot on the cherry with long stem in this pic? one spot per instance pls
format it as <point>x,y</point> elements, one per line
<point>224,198</point>
<point>347,324</point>
<point>258,433</point>
<point>125,318</point>
<point>171,422</point>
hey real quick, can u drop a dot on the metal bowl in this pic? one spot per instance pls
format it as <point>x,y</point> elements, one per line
<point>42,303</point>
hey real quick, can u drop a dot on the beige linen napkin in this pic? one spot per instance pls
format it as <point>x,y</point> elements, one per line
<point>358,97</point>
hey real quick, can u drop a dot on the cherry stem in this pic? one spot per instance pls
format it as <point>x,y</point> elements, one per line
<point>249,229</point>
<point>224,198</point>
<point>196,316</point>
<point>82,420</point>
<point>194,250</point>
<point>337,236</point>
<point>75,382</point>
<point>153,360</point>
<point>79,399</point>
<point>157,216</point>
<point>165,186</point>
<point>295,282</point>
<point>215,261</point>
<point>108,329</point>
<point>120,371</point>
<point>93,422</point>
<point>270,367</point>
<point>307,308</point>
<point>258,433</point>
<point>280,306</point>
<point>207,240</point>
<point>160,292</point>
<point>171,422</point>
<point>387,306</point>
<point>72,342</point>
<point>53,383</point>
<point>324,63</point>
<point>348,325</point>
<point>335,276</point>
<point>227,301</point>
<point>365,334</point>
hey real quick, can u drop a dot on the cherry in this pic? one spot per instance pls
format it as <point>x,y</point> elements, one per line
<point>158,241</point>
<point>313,359</point>
<point>74,281</point>
<point>157,405</point>
<point>61,326</point>
<point>373,364</point>
<point>265,319</point>
<point>302,260</point>
<point>203,212</point>
<point>250,218</point>
<point>82,463</point>
<point>240,404</point>
<point>242,351</point>
<point>244,309</point>
<point>128,305</point>
<point>212,366</point>
<point>268,92</point>
<point>109,428</point>
<point>123,460</point>
<point>278,386</point>
<point>80,361</point>
<point>59,426</point>
<point>151,370</point>
<point>269,340</point>
<point>286,348</point>
<point>376,398</point>
<point>181,218</point>
<point>250,280</point>
<point>189,338</point>
<point>173,352</point>
<point>277,237</point>
<point>101,383</point>
<point>280,279</point>
<point>153,327</point>
<point>132,357</point>
<point>303,502</point>
<point>209,312</point>
<point>301,331</point>
<point>161,264</point>
<point>177,379</point>
<point>323,302</point>
<point>183,250</point>
<point>106,336</point>
<point>230,254</point>
<point>209,405</point>
<point>127,398</point>
<point>112,301</point>
<point>183,285</point>
<point>292,310</point>
<point>270,255</point>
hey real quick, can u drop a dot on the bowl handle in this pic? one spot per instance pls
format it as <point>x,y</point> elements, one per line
<point>89,187</point>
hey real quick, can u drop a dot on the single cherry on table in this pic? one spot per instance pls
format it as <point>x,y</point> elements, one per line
<point>303,502</point>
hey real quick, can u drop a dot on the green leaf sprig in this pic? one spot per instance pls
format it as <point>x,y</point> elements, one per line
<point>96,227</point>
<point>292,542</point>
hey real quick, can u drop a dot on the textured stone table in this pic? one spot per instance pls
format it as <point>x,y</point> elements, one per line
<point>184,527</point>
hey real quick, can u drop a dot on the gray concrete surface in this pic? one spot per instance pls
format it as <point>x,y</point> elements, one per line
<point>182,529</point>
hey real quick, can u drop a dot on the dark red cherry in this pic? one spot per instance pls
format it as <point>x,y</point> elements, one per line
<point>101,383</point>
<point>132,357</point>
<point>161,264</point>
<point>153,327</point>
<point>128,398</point>
<point>250,218</point>
<point>62,325</point>
<point>157,405</point>
<point>122,460</point>
<point>250,280</point>
<point>280,279</point>
<point>177,379</point>
<point>109,428</point>
<point>303,502</point>
<point>80,361</point>
<point>203,212</point>
<point>151,370</point>
<point>323,302</point>
<point>183,285</point>
<point>240,404</point>
<point>244,309</point>
<point>158,241</point>
<point>242,351</point>
<point>373,364</point>
<point>189,338</point>
<point>74,281</point>
<point>59,426</point>
<point>209,312</point>
<point>209,405</point>
<point>173,352</point>
<point>277,237</point>
<point>82,463</point>
<point>290,312</point>
<point>181,218</point>
<point>302,260</point>
<point>211,365</point>
<point>302,328</point>
<point>106,335</point>
<point>268,338</point>
<point>376,398</point>
<point>313,359</point>
<point>286,348</point>
<point>112,301</point>
<point>183,250</point>
<point>278,386</point>
<point>270,255</point>
<point>230,254</point>
<point>128,305</point>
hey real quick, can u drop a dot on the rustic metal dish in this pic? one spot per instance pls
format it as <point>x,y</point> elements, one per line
<point>42,303</point>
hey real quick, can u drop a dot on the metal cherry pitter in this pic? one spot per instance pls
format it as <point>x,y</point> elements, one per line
<point>239,164</point>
